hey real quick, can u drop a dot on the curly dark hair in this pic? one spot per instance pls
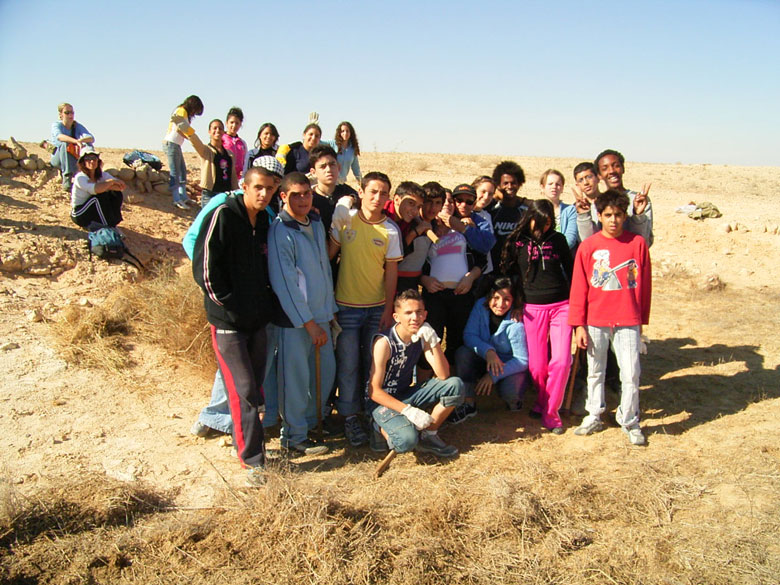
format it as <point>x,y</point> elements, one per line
<point>353,139</point>
<point>508,167</point>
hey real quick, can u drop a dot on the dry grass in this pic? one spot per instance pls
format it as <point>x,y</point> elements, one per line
<point>165,310</point>
<point>514,521</point>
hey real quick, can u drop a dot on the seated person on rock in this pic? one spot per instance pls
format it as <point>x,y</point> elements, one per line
<point>97,195</point>
<point>67,136</point>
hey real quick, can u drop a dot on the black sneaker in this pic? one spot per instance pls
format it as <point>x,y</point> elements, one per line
<point>305,447</point>
<point>463,412</point>
<point>331,428</point>
<point>432,443</point>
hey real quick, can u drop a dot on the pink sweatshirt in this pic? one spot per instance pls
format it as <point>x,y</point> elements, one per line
<point>237,146</point>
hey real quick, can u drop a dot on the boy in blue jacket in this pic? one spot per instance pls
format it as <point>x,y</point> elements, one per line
<point>301,278</point>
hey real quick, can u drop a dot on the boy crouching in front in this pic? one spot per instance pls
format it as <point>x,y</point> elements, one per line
<point>394,403</point>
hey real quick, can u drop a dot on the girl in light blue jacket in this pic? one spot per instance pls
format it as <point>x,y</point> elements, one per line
<point>494,354</point>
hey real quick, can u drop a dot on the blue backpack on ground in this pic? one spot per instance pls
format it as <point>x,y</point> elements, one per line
<point>106,242</point>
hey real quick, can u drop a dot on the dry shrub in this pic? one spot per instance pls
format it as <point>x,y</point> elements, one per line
<point>96,336</point>
<point>166,310</point>
<point>169,312</point>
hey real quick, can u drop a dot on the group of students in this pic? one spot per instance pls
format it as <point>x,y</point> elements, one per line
<point>364,286</point>
<point>225,157</point>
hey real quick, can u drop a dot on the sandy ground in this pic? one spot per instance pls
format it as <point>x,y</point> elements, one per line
<point>711,375</point>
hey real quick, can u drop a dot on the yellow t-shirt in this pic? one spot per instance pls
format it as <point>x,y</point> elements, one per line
<point>365,247</point>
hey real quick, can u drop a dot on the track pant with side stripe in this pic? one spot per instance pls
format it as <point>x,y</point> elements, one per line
<point>104,208</point>
<point>241,360</point>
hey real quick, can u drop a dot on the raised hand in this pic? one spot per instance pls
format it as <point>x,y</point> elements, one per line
<point>640,201</point>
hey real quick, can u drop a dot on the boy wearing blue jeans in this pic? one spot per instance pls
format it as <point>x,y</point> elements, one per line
<point>396,406</point>
<point>608,304</point>
<point>370,245</point>
<point>300,276</point>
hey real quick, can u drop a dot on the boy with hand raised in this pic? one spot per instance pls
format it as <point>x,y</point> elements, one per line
<point>395,405</point>
<point>610,168</point>
<point>301,278</point>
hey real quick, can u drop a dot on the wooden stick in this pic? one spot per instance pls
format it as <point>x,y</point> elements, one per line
<point>385,463</point>
<point>566,410</point>
<point>318,380</point>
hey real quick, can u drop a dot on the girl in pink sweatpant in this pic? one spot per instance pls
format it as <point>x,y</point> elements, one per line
<point>540,258</point>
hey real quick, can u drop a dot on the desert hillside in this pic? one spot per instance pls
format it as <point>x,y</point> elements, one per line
<point>101,481</point>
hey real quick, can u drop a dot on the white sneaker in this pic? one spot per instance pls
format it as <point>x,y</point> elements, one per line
<point>589,426</point>
<point>635,436</point>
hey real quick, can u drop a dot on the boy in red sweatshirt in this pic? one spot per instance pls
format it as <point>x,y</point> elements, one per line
<point>609,302</point>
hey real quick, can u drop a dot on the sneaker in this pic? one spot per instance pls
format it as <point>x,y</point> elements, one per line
<point>255,477</point>
<point>180,205</point>
<point>557,431</point>
<point>305,447</point>
<point>200,430</point>
<point>377,441</point>
<point>354,431</point>
<point>589,426</point>
<point>635,436</point>
<point>432,443</point>
<point>462,412</point>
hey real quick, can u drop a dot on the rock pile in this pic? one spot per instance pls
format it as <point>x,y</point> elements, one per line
<point>143,178</point>
<point>14,156</point>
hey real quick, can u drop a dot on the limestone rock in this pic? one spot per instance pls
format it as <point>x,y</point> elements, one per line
<point>141,174</point>
<point>127,174</point>
<point>5,154</point>
<point>148,186</point>
<point>9,346</point>
<point>162,189</point>
<point>712,282</point>
<point>40,164</point>
<point>9,163</point>
<point>34,315</point>
<point>17,150</point>
<point>28,164</point>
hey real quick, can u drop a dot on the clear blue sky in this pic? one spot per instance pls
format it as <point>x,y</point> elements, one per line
<point>688,81</point>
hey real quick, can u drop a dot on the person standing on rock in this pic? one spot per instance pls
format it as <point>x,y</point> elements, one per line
<point>68,136</point>
<point>174,138</point>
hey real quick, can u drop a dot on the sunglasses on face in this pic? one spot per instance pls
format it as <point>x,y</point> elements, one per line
<point>463,201</point>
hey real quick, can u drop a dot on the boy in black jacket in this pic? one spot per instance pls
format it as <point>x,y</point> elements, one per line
<point>230,265</point>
